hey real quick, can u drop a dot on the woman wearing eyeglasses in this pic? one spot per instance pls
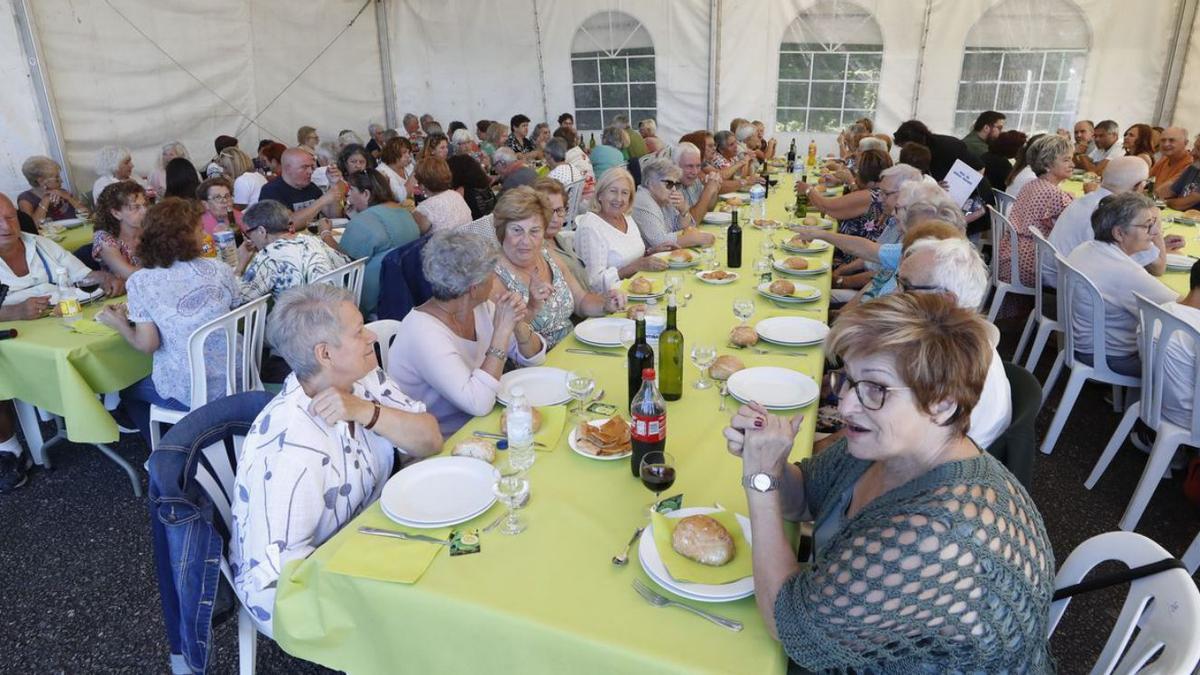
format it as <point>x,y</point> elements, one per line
<point>552,292</point>
<point>216,195</point>
<point>929,555</point>
<point>660,210</point>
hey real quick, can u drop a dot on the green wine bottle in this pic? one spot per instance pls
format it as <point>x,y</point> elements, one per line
<point>670,356</point>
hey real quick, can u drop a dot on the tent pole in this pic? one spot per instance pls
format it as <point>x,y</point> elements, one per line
<point>916,99</point>
<point>385,64</point>
<point>1181,36</point>
<point>714,58</point>
<point>32,48</point>
<point>537,34</point>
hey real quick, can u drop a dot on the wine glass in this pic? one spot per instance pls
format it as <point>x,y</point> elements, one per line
<point>657,471</point>
<point>512,487</point>
<point>703,356</point>
<point>580,383</point>
<point>674,280</point>
<point>743,308</point>
<point>762,267</point>
<point>707,258</point>
<point>766,246</point>
<point>627,335</point>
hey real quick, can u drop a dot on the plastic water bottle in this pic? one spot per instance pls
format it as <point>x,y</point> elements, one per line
<point>758,201</point>
<point>226,246</point>
<point>520,430</point>
<point>68,301</point>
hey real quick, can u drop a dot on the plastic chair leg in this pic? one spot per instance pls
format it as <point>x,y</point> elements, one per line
<point>247,643</point>
<point>1114,444</point>
<point>997,301</point>
<point>1192,558</point>
<point>155,435</point>
<point>1161,453</point>
<point>1074,386</point>
<point>1039,343</point>
<point>1118,398</point>
<point>1052,378</point>
<point>1025,334</point>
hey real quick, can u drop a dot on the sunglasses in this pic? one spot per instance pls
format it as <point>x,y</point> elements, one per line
<point>672,184</point>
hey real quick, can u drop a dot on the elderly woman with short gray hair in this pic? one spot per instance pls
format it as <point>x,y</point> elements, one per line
<point>321,451</point>
<point>450,351</point>
<point>113,164</point>
<point>46,198</point>
<point>660,210</point>
<point>1039,203</point>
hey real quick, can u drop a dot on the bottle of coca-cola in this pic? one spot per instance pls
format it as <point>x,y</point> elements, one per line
<point>648,412</point>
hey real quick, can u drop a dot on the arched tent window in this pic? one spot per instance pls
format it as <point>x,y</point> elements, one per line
<point>612,66</point>
<point>1024,58</point>
<point>829,63</point>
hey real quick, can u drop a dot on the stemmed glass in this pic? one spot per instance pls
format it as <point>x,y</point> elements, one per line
<point>703,356</point>
<point>657,471</point>
<point>762,267</point>
<point>512,487</point>
<point>580,383</point>
<point>674,281</point>
<point>708,259</point>
<point>627,336</point>
<point>743,308</point>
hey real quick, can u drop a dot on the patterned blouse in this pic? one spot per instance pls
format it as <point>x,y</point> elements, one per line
<point>1038,205</point>
<point>288,262</point>
<point>102,240</point>
<point>553,320</point>
<point>869,225</point>
<point>299,481</point>
<point>520,145</point>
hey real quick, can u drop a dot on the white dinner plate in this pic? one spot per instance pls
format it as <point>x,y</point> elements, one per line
<point>815,268</point>
<point>69,223</point>
<point>815,246</point>
<point>573,441</point>
<point>804,293</point>
<point>774,387</point>
<point>733,276</point>
<point>439,491</point>
<point>717,218</point>
<point>792,331</point>
<point>543,386</point>
<point>654,567</point>
<point>665,256</point>
<point>658,286</point>
<point>1178,261</point>
<point>602,331</point>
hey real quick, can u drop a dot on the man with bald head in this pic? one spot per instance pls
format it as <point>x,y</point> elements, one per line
<point>1175,158</point>
<point>295,188</point>
<point>1074,224</point>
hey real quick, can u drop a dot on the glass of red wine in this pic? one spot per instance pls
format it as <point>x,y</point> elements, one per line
<point>657,471</point>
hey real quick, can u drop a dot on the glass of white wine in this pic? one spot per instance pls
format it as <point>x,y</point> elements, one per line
<point>512,487</point>
<point>703,356</point>
<point>580,384</point>
<point>743,308</point>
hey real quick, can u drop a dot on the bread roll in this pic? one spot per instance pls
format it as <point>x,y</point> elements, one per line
<point>812,221</point>
<point>798,242</point>
<point>743,336</point>
<point>796,263</point>
<point>641,285</point>
<point>725,366</point>
<point>537,421</point>
<point>633,311</point>
<point>477,448</point>
<point>782,287</point>
<point>704,540</point>
<point>681,255</point>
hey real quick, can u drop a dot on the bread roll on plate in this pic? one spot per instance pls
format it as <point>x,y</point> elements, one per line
<point>641,285</point>
<point>782,287</point>
<point>796,263</point>
<point>743,336</point>
<point>704,540</point>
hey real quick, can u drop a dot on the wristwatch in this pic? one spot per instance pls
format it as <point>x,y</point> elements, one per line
<point>760,482</point>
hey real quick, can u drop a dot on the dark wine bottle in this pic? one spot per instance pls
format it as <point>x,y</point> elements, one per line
<point>641,356</point>
<point>791,157</point>
<point>670,356</point>
<point>733,243</point>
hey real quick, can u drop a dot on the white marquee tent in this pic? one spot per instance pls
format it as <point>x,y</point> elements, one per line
<point>81,74</point>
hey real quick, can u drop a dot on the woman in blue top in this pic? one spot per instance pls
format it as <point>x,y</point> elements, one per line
<point>930,556</point>
<point>608,154</point>
<point>379,225</point>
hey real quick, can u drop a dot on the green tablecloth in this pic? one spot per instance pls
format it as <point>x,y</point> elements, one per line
<point>74,238</point>
<point>550,600</point>
<point>61,371</point>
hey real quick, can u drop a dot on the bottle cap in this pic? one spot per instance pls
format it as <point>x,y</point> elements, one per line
<point>502,444</point>
<point>516,391</point>
<point>647,373</point>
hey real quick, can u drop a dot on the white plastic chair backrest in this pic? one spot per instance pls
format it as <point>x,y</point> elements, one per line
<point>243,330</point>
<point>1159,327</point>
<point>483,227</point>
<point>1004,201</point>
<point>385,331</point>
<point>1164,608</point>
<point>1073,286</point>
<point>1045,250</point>
<point>215,472</point>
<point>348,276</point>
<point>1002,228</point>
<point>574,199</point>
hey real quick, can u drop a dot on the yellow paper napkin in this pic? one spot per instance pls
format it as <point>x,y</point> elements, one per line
<point>383,558</point>
<point>688,570</point>
<point>554,417</point>
<point>90,327</point>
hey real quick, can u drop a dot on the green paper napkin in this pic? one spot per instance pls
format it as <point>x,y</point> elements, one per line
<point>382,558</point>
<point>553,419</point>
<point>688,570</point>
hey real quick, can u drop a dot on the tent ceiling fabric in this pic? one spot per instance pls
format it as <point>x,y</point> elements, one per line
<point>228,62</point>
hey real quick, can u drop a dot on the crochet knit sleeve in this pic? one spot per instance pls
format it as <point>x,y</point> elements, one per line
<point>958,576</point>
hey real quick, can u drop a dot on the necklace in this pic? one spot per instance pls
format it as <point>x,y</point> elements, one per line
<point>450,319</point>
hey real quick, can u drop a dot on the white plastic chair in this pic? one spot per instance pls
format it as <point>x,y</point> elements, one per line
<point>1004,201</point>
<point>1002,228</point>
<point>574,198</point>
<point>1159,327</point>
<point>1045,324</point>
<point>1163,608</point>
<point>1191,559</point>
<point>483,227</point>
<point>1071,286</point>
<point>348,276</point>
<point>243,330</point>
<point>385,330</point>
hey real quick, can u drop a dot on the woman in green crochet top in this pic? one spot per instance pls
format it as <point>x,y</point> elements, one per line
<point>930,556</point>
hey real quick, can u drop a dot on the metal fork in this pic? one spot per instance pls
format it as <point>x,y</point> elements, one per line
<point>759,350</point>
<point>660,601</point>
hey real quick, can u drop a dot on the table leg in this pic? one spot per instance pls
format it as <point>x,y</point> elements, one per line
<point>27,416</point>
<point>134,478</point>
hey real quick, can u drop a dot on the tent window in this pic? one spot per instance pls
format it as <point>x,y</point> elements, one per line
<point>612,67</point>
<point>1026,59</point>
<point>829,65</point>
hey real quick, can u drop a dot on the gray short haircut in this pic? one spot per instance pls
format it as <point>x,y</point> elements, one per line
<point>685,148</point>
<point>1124,173</point>
<point>302,318</point>
<point>556,149</point>
<point>721,138</point>
<point>430,128</point>
<point>659,168</point>
<point>923,201</point>
<point>409,117</point>
<point>460,138</point>
<point>1045,150</point>
<point>348,137</point>
<point>455,260</point>
<point>956,267</point>
<point>904,173</point>
<point>1121,210</point>
<point>176,148</point>
<point>39,166</point>
<point>613,135</point>
<point>872,143</point>
<point>745,131</point>
<point>1107,125</point>
<point>648,125</point>
<point>268,214</point>
<point>620,121</point>
<point>374,128</point>
<point>389,134</point>
<point>503,156</point>
<point>109,157</point>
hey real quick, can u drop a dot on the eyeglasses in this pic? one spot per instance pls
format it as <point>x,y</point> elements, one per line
<point>907,286</point>
<point>560,211</point>
<point>220,198</point>
<point>872,395</point>
<point>672,184</point>
<point>1148,226</point>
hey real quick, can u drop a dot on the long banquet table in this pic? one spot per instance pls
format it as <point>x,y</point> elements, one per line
<point>550,600</point>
